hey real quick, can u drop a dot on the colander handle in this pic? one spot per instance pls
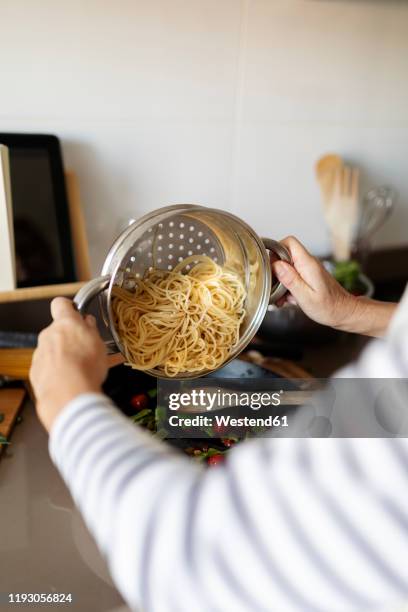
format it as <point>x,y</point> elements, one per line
<point>85,296</point>
<point>278,290</point>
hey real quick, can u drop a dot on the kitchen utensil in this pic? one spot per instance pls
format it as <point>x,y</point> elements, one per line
<point>326,168</point>
<point>169,235</point>
<point>378,205</point>
<point>343,211</point>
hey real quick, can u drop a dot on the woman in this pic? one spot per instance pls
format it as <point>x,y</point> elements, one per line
<point>284,524</point>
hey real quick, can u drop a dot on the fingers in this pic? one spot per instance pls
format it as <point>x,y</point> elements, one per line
<point>288,276</point>
<point>62,308</point>
<point>296,249</point>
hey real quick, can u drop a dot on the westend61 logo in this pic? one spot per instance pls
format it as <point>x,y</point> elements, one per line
<point>256,406</point>
<point>223,399</point>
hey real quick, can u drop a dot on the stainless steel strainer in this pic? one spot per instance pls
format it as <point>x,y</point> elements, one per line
<point>166,237</point>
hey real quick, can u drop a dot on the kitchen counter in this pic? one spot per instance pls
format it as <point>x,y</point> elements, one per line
<point>44,545</point>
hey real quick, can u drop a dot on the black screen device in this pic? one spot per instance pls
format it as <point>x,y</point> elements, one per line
<point>42,230</point>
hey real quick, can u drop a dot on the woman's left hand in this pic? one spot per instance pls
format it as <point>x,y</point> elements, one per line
<point>70,360</point>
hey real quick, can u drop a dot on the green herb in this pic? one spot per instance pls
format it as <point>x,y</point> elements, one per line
<point>347,274</point>
<point>160,414</point>
<point>152,393</point>
<point>214,451</point>
<point>141,415</point>
<point>202,455</point>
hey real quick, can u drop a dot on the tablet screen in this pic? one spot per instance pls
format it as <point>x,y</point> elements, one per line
<point>41,226</point>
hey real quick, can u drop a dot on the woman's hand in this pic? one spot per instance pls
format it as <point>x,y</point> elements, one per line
<point>70,360</point>
<point>312,287</point>
<point>324,300</point>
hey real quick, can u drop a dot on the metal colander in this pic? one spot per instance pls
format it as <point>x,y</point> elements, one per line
<point>166,237</point>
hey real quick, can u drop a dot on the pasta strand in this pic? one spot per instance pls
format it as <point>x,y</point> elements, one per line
<point>179,322</point>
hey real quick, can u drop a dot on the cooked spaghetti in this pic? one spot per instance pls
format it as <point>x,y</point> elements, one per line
<point>181,322</point>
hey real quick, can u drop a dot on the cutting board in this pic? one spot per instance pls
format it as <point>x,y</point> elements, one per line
<point>11,401</point>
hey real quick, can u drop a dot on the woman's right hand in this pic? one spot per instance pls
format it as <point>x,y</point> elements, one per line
<point>324,300</point>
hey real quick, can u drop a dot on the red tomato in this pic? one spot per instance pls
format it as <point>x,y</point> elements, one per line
<point>227,442</point>
<point>140,401</point>
<point>219,429</point>
<point>215,459</point>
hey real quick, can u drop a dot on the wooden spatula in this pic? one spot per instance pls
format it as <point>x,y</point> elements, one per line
<point>326,168</point>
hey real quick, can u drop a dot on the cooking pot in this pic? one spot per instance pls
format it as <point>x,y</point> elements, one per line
<point>164,238</point>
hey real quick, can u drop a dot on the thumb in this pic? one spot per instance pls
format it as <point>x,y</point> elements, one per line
<point>288,276</point>
<point>61,308</point>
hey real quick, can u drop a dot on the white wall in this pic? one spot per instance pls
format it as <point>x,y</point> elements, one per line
<point>222,102</point>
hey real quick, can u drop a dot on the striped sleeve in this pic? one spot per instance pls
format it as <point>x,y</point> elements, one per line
<point>283,524</point>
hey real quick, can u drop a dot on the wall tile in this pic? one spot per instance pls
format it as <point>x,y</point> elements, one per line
<point>224,102</point>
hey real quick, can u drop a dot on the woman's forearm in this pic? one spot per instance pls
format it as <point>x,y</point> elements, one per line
<point>238,536</point>
<point>367,317</point>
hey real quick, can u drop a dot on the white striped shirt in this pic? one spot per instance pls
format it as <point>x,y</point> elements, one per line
<point>283,524</point>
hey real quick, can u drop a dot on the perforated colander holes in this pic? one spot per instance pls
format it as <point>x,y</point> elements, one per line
<point>182,227</point>
<point>179,238</point>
